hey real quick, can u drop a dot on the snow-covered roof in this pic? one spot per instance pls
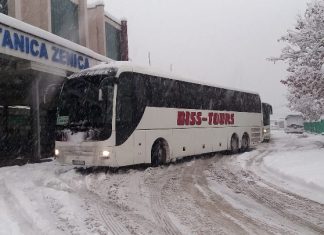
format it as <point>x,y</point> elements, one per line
<point>118,21</point>
<point>126,66</point>
<point>95,3</point>
<point>35,31</point>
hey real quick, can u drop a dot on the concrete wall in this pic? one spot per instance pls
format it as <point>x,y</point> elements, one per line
<point>35,12</point>
<point>38,13</point>
<point>83,25</point>
<point>96,25</point>
<point>14,8</point>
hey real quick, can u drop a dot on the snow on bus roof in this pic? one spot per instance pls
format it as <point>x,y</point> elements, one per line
<point>35,31</point>
<point>126,66</point>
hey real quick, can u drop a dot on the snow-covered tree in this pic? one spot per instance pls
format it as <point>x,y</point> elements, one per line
<point>304,54</point>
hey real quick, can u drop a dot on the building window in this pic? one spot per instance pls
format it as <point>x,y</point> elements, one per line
<point>65,19</point>
<point>112,42</point>
<point>4,7</point>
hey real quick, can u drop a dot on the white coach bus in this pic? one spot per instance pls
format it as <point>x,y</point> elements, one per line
<point>119,114</point>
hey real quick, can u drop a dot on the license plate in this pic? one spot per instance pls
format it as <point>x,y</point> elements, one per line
<point>78,162</point>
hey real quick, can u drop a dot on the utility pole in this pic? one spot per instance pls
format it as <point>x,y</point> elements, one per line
<point>149,58</point>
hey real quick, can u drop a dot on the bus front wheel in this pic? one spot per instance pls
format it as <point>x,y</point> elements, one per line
<point>158,153</point>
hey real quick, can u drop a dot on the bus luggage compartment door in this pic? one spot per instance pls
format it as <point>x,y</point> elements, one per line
<point>139,147</point>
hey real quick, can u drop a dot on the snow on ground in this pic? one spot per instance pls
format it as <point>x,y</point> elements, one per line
<point>33,200</point>
<point>263,191</point>
<point>305,168</point>
<point>294,161</point>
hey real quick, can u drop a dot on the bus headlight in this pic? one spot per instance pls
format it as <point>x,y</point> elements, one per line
<point>105,153</point>
<point>57,152</point>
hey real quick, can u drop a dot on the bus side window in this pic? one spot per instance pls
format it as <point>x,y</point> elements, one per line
<point>148,90</point>
<point>171,92</point>
<point>131,103</point>
<point>156,90</point>
<point>187,95</point>
<point>140,92</point>
<point>125,99</point>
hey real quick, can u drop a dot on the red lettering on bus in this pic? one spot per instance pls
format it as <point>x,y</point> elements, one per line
<point>227,118</point>
<point>216,117</point>
<point>187,118</point>
<point>192,118</point>
<point>222,118</point>
<point>210,118</point>
<point>232,118</point>
<point>198,119</point>
<point>181,118</point>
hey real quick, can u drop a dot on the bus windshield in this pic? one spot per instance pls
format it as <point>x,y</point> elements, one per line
<point>267,111</point>
<point>86,105</point>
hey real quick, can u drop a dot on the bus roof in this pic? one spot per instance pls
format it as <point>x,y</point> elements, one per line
<point>124,66</point>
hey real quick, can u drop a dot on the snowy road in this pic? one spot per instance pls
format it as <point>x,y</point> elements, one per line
<point>264,191</point>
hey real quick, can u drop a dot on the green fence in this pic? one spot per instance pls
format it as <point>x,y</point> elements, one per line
<point>315,127</point>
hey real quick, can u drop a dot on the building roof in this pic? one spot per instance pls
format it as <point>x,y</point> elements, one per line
<point>95,3</point>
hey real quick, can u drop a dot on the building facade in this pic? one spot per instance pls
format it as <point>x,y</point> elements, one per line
<point>80,21</point>
<point>41,43</point>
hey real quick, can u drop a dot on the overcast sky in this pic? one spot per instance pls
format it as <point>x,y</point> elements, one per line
<point>223,42</point>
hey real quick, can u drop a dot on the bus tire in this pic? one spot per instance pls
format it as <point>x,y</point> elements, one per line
<point>245,142</point>
<point>234,144</point>
<point>158,153</point>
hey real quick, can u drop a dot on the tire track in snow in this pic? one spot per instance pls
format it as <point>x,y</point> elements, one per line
<point>102,210</point>
<point>156,183</point>
<point>297,213</point>
<point>112,225</point>
<point>26,225</point>
<point>214,207</point>
<point>105,212</point>
<point>304,211</point>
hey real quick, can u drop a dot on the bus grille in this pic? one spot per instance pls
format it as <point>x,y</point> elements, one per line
<point>255,129</point>
<point>256,135</point>
<point>78,151</point>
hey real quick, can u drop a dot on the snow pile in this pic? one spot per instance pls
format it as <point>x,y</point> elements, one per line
<point>306,167</point>
<point>296,163</point>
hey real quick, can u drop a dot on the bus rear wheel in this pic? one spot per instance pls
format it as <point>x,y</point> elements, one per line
<point>245,143</point>
<point>158,153</point>
<point>234,144</point>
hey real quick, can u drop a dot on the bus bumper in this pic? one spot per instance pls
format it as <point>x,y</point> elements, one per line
<point>86,156</point>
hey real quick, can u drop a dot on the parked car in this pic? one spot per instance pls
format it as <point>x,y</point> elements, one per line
<point>294,124</point>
